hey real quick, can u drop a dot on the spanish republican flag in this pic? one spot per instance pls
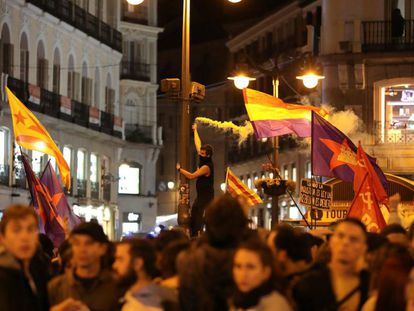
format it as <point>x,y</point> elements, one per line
<point>236,187</point>
<point>270,116</point>
<point>31,134</point>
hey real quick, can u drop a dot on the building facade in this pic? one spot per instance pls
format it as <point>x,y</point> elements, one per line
<point>364,50</point>
<point>87,71</point>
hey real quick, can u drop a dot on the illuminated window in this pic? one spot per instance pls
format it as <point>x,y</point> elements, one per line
<point>37,161</point>
<point>249,182</point>
<point>308,171</point>
<point>285,172</point>
<point>67,155</point>
<point>128,179</point>
<point>80,172</point>
<point>93,174</point>
<point>294,172</point>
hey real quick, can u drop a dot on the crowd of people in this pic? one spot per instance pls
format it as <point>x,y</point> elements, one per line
<point>228,267</point>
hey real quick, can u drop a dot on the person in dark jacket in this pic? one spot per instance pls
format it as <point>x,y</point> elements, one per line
<point>204,184</point>
<point>22,276</point>
<point>204,270</point>
<point>341,284</point>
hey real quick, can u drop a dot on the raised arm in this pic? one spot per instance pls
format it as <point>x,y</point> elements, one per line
<point>204,170</point>
<point>197,140</point>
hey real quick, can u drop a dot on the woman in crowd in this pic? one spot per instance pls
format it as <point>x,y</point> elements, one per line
<point>255,279</point>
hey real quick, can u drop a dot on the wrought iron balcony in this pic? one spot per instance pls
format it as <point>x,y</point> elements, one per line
<point>135,71</point>
<point>4,174</point>
<point>107,192</point>
<point>139,133</point>
<point>51,104</point>
<point>75,16</point>
<point>81,188</point>
<point>393,133</point>
<point>95,190</point>
<point>378,36</point>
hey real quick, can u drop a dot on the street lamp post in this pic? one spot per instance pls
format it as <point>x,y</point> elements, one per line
<point>275,198</point>
<point>184,197</point>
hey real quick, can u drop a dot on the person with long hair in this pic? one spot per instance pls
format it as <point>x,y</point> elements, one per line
<point>255,279</point>
<point>392,282</point>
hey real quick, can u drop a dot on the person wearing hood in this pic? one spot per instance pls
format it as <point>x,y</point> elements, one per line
<point>21,288</point>
<point>204,184</point>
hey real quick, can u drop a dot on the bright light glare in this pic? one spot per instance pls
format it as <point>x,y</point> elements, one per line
<point>223,187</point>
<point>241,81</point>
<point>170,185</point>
<point>40,145</point>
<point>135,2</point>
<point>310,80</point>
<point>235,1</point>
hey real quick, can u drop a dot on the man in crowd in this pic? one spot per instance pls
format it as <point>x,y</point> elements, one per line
<point>339,285</point>
<point>204,184</point>
<point>88,284</point>
<point>135,269</point>
<point>19,288</point>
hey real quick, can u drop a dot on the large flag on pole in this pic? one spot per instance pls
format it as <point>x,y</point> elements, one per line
<point>236,187</point>
<point>31,134</point>
<point>59,200</point>
<point>270,116</point>
<point>334,154</point>
<point>50,221</point>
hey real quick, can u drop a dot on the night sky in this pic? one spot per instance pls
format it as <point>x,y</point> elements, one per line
<point>210,19</point>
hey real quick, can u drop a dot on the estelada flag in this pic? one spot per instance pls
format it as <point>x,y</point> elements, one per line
<point>270,116</point>
<point>333,154</point>
<point>31,134</point>
<point>365,207</point>
<point>236,187</point>
<point>59,200</point>
<point>50,221</point>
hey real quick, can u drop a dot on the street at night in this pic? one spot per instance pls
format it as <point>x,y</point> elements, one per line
<point>206,155</point>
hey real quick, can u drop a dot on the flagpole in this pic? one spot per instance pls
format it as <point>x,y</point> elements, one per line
<point>311,177</point>
<point>227,175</point>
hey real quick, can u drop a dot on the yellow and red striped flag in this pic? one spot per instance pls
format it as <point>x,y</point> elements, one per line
<point>236,187</point>
<point>31,134</point>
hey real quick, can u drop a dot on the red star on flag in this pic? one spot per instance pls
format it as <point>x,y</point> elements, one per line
<point>19,118</point>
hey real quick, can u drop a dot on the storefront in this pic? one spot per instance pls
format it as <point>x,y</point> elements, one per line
<point>131,223</point>
<point>104,215</point>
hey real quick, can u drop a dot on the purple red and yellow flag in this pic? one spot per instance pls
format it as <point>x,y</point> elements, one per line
<point>31,134</point>
<point>51,222</point>
<point>59,200</point>
<point>236,187</point>
<point>270,116</point>
<point>334,154</point>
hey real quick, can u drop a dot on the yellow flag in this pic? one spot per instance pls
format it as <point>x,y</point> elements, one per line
<point>31,134</point>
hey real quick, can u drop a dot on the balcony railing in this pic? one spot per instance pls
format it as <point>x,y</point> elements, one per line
<point>50,104</point>
<point>107,192</point>
<point>139,133</point>
<point>135,71</point>
<point>378,36</point>
<point>4,174</point>
<point>77,17</point>
<point>81,188</point>
<point>20,177</point>
<point>394,133</point>
<point>95,190</point>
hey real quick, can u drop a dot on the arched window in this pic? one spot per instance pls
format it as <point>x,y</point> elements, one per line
<point>42,66</point>
<point>109,95</point>
<point>24,58</point>
<point>81,172</point>
<point>97,89</point>
<point>56,72</point>
<point>6,51</point>
<point>4,155</point>
<point>73,80</point>
<point>86,89</point>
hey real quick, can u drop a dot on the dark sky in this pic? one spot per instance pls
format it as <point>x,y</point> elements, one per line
<point>210,19</point>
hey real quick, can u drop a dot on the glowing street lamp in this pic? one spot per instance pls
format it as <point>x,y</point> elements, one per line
<point>235,1</point>
<point>241,81</point>
<point>135,2</point>
<point>310,79</point>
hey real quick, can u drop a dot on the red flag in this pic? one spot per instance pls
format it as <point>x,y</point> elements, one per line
<point>374,179</point>
<point>51,223</point>
<point>365,207</point>
<point>368,192</point>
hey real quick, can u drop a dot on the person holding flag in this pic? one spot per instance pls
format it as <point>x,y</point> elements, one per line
<point>204,185</point>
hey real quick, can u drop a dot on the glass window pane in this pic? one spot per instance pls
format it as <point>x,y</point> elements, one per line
<point>93,177</point>
<point>67,154</point>
<point>80,173</point>
<point>128,179</point>
<point>37,161</point>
